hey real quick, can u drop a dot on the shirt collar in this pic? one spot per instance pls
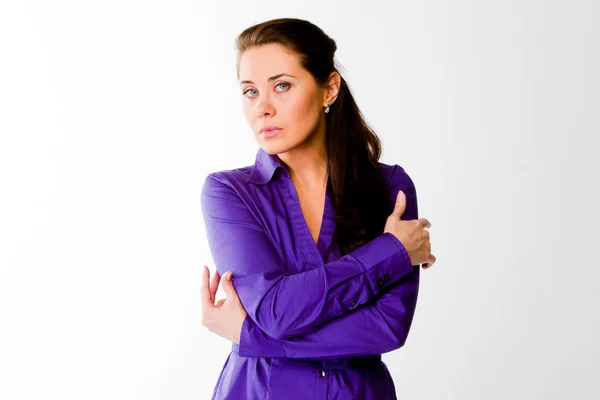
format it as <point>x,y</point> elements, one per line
<point>264,167</point>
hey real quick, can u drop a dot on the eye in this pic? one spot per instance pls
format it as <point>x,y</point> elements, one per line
<point>282,83</point>
<point>249,90</point>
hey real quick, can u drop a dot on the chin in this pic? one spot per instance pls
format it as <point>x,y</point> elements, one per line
<point>270,149</point>
<point>274,148</point>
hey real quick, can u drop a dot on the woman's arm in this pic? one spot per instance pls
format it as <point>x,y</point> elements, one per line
<point>380,326</point>
<point>281,304</point>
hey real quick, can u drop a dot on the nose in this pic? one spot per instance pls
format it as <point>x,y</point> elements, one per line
<point>264,108</point>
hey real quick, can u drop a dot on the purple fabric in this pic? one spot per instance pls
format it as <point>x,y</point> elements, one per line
<point>304,306</point>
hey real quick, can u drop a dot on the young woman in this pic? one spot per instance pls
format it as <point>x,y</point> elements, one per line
<point>323,241</point>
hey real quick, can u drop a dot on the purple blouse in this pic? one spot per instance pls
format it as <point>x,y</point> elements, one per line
<point>317,325</point>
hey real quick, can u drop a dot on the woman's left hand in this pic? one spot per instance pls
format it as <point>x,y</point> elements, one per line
<point>226,317</point>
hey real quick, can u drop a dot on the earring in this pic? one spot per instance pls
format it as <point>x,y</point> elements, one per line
<point>327,109</point>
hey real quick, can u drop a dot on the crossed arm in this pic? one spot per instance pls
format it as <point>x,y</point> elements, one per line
<point>338,309</point>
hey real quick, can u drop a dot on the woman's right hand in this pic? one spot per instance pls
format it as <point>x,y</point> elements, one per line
<point>412,234</point>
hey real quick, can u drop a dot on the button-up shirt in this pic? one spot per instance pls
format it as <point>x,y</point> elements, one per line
<point>317,322</point>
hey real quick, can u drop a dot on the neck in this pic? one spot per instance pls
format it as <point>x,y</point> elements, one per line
<point>307,164</point>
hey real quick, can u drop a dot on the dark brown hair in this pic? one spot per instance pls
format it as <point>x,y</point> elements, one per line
<point>359,195</point>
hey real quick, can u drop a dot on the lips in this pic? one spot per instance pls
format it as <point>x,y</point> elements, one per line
<point>270,131</point>
<point>270,128</point>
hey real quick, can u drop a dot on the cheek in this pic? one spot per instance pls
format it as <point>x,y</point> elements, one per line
<point>301,112</point>
<point>249,112</point>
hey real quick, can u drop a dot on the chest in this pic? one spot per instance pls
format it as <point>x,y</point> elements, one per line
<point>299,221</point>
<point>312,204</point>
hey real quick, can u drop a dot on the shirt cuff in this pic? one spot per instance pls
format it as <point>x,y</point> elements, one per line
<point>256,343</point>
<point>385,260</point>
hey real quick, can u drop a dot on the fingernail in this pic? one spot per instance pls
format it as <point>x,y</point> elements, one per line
<point>229,276</point>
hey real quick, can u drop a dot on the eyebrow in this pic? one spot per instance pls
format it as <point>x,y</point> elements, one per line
<point>270,79</point>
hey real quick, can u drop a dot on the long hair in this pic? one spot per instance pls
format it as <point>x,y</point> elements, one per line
<point>359,195</point>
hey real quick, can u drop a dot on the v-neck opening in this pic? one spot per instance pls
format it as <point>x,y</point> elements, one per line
<point>322,223</point>
<point>320,233</point>
<point>314,248</point>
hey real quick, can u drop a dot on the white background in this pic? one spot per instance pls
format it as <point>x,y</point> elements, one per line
<point>112,113</point>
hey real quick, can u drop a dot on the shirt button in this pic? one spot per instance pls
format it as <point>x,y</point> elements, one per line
<point>353,303</point>
<point>387,277</point>
<point>380,281</point>
<point>322,374</point>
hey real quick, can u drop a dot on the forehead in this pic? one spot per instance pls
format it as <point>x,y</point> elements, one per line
<point>260,62</point>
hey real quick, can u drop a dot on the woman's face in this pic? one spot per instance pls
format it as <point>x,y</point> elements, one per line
<point>277,91</point>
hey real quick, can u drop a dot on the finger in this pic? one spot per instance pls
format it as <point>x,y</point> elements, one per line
<point>425,222</point>
<point>220,302</point>
<point>214,285</point>
<point>399,206</point>
<point>429,263</point>
<point>205,289</point>
<point>227,285</point>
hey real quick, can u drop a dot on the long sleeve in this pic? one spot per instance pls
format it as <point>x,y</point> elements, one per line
<point>282,304</point>
<point>380,326</point>
<point>376,328</point>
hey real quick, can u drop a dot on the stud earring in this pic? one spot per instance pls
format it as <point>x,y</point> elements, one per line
<point>327,109</point>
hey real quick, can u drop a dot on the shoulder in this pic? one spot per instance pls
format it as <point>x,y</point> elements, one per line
<point>395,176</point>
<point>398,180</point>
<point>235,178</point>
<point>226,186</point>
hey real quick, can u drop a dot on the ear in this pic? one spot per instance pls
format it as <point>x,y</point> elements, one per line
<point>332,88</point>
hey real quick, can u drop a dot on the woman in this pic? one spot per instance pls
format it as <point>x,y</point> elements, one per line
<point>322,239</point>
